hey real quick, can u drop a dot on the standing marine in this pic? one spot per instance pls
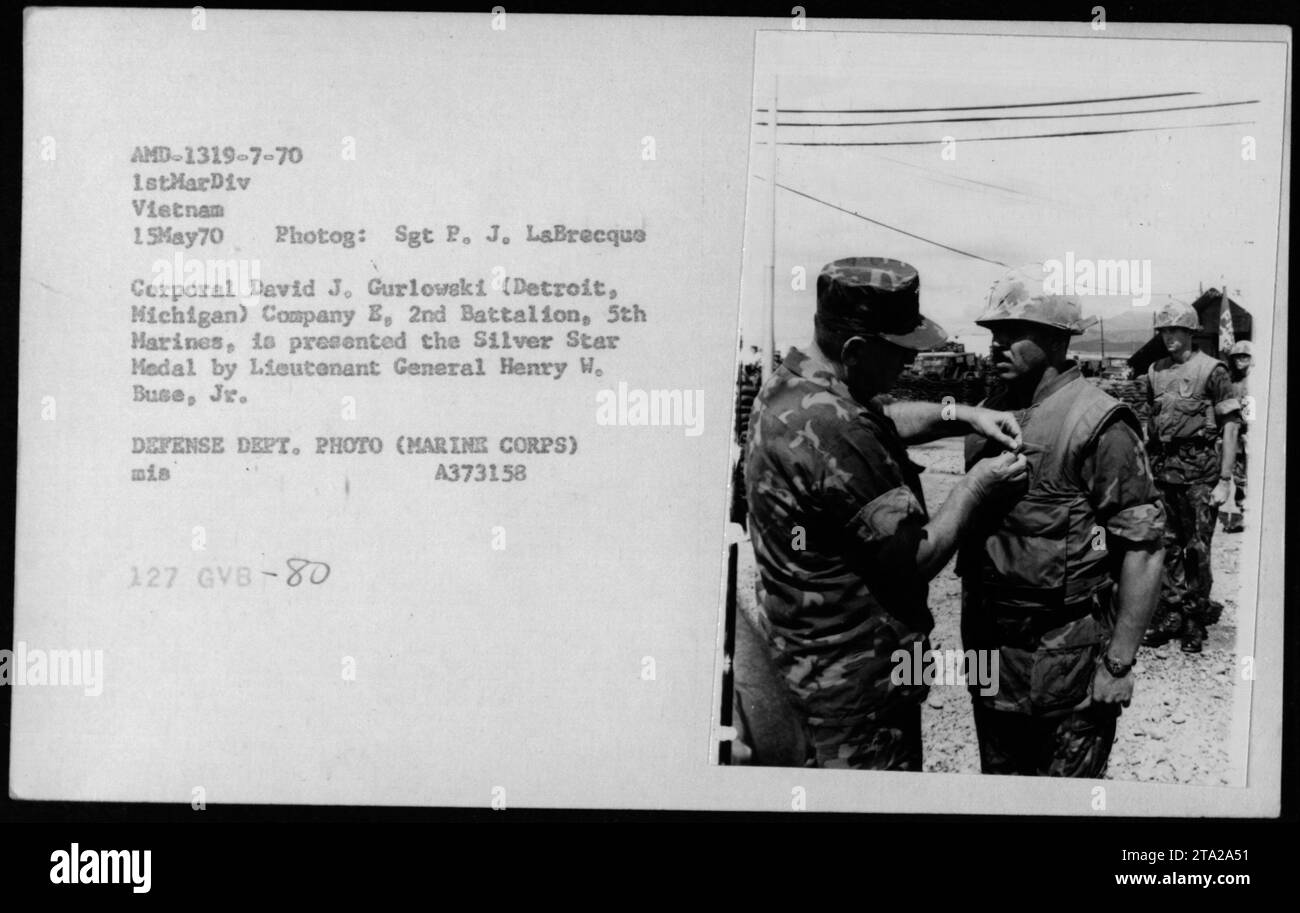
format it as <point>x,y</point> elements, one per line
<point>1063,583</point>
<point>1240,359</point>
<point>1192,442</point>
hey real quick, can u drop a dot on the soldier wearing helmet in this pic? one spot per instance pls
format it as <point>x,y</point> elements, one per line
<point>1240,358</point>
<point>1062,582</point>
<point>844,544</point>
<point>1192,442</point>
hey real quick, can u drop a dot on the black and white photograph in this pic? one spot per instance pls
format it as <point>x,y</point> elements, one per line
<point>771,414</point>
<point>1007,325</point>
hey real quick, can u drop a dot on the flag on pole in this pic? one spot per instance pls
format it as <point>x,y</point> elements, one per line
<point>1225,325</point>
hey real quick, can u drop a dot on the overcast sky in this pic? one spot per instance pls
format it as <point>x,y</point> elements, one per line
<point>1184,199</point>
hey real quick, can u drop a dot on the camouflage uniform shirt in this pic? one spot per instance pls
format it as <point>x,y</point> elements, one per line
<point>835,513</point>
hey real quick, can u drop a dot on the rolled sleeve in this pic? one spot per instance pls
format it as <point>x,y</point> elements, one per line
<point>1227,408</point>
<point>868,498</point>
<point>858,477</point>
<point>880,519</point>
<point>1121,488</point>
<point>1139,523</point>
<point>890,530</point>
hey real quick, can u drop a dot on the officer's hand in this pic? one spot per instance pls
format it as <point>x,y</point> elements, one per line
<point>1107,689</point>
<point>1220,493</point>
<point>998,426</point>
<point>1004,474</point>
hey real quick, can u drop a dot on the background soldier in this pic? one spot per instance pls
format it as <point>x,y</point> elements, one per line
<point>844,545</point>
<point>1192,404</point>
<point>1038,579</point>
<point>1239,364</point>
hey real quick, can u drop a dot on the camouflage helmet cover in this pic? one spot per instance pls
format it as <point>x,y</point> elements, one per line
<point>1241,348</point>
<point>1032,293</point>
<point>1175,313</point>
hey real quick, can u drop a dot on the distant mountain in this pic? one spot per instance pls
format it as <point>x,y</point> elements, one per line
<point>1125,333</point>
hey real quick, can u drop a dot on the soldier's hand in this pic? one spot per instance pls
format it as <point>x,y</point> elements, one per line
<point>1107,689</point>
<point>1004,474</point>
<point>1220,494</point>
<point>998,426</point>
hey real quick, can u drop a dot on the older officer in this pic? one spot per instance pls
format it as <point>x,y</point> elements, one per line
<point>1062,584</point>
<point>844,544</point>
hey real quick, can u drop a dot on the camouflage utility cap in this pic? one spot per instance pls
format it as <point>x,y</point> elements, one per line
<point>876,296</point>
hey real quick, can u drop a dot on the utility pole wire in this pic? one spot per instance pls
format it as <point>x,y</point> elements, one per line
<point>948,247</point>
<point>997,139</point>
<point>1031,104</point>
<point>1001,117</point>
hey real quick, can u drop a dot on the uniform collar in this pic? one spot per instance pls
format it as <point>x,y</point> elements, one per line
<point>1047,387</point>
<point>810,363</point>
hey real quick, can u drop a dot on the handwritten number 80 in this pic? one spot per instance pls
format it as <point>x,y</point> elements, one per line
<point>319,572</point>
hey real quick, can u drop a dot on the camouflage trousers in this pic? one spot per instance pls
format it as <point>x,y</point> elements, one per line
<point>1187,579</point>
<point>1076,744</point>
<point>889,741</point>
<point>781,729</point>
<point>1239,475</point>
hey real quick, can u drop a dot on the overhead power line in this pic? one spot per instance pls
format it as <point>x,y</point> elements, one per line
<point>948,247</point>
<point>956,120</point>
<point>948,178</point>
<point>940,244</point>
<point>1031,104</point>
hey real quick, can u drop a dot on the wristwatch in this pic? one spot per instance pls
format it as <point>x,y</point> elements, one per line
<point>1116,670</point>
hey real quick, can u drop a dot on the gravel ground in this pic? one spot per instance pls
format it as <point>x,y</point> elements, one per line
<point>1177,729</point>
